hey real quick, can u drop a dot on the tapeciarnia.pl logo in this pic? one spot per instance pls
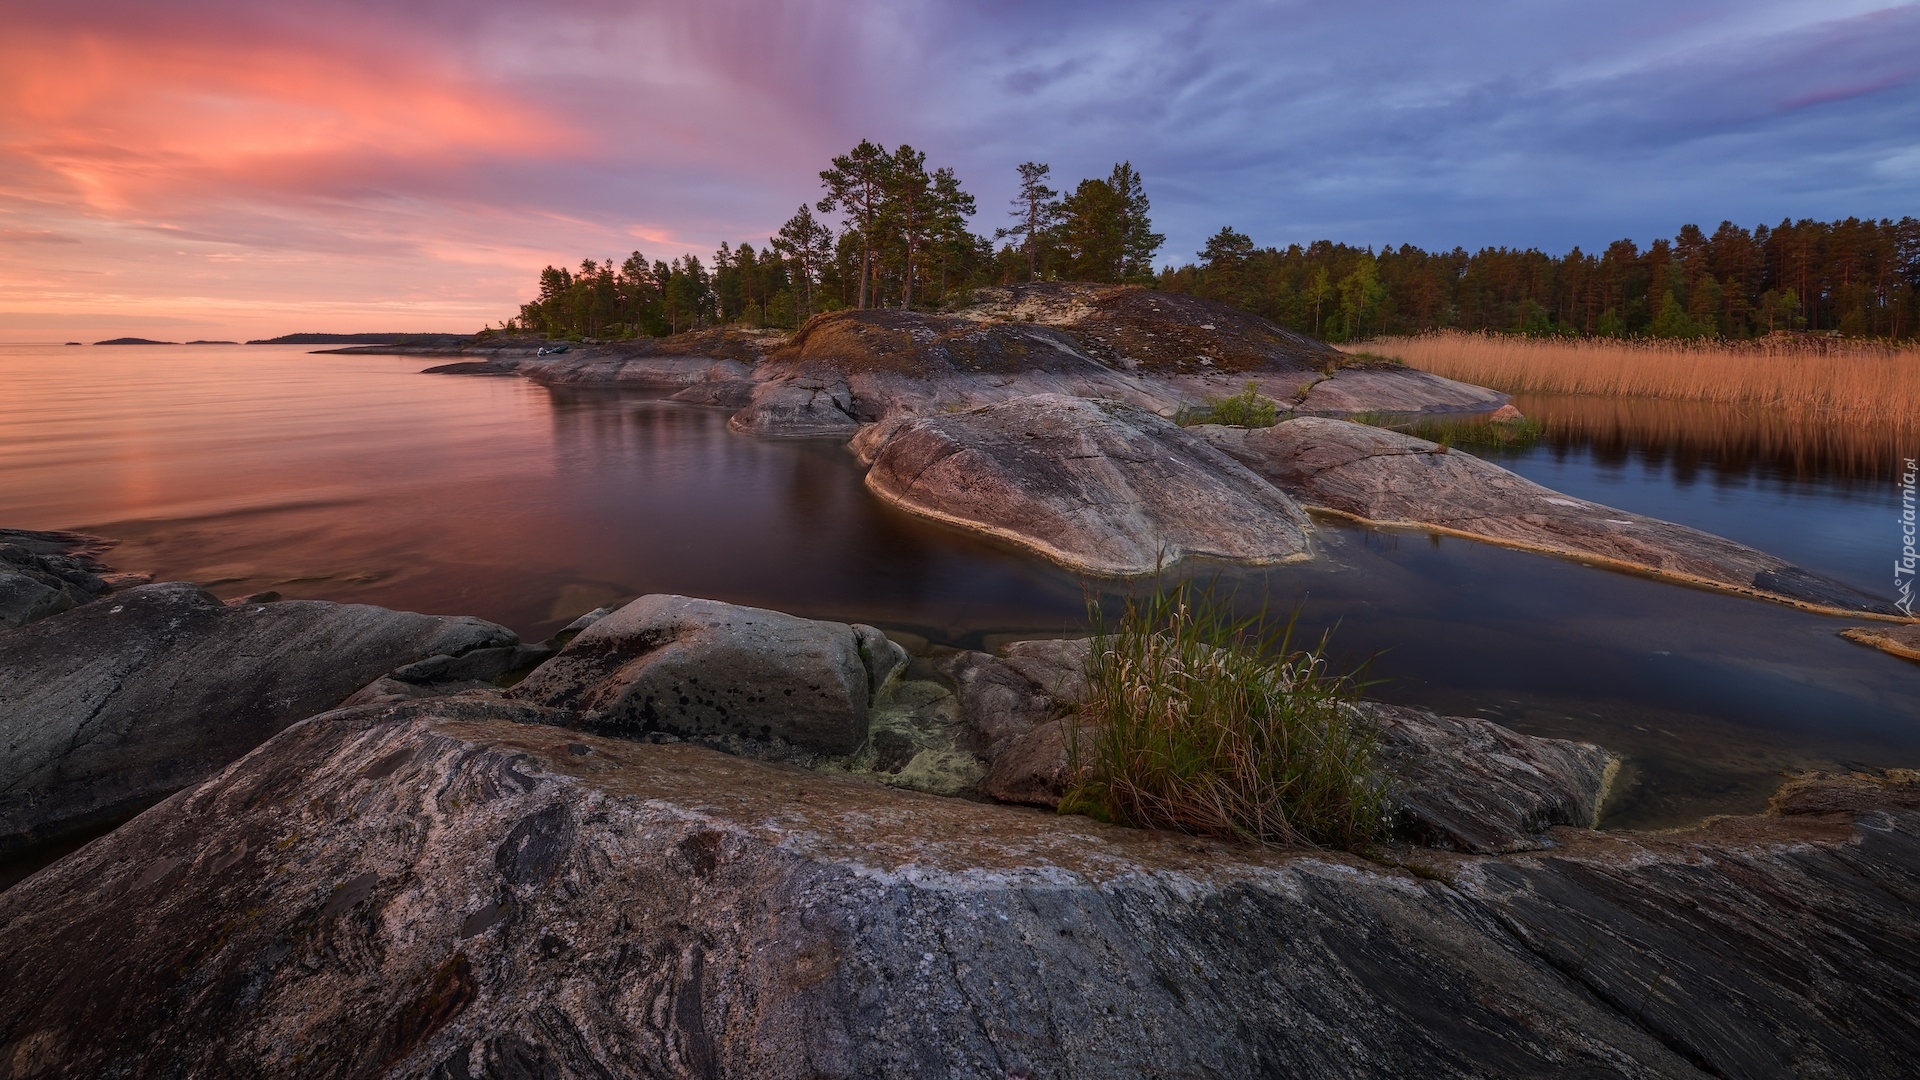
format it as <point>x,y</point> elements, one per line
<point>1903,567</point>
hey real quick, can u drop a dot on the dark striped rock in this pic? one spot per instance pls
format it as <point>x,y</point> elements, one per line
<point>109,707</point>
<point>441,889</point>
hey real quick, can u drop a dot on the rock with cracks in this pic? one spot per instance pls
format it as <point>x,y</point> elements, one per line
<point>436,891</point>
<point>108,707</point>
<point>1387,478</point>
<point>1096,486</point>
<point>700,668</point>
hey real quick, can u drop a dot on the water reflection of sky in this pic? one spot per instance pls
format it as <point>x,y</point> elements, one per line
<point>356,479</point>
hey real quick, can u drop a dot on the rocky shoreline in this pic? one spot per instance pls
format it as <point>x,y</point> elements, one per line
<point>640,858</point>
<point>688,838</point>
<point>1043,416</point>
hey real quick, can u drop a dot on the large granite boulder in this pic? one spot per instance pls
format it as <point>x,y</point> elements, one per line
<point>700,668</point>
<point>431,891</point>
<point>1097,486</point>
<point>798,408</point>
<point>1468,784</point>
<point>1388,478</point>
<point>45,573</point>
<point>110,706</point>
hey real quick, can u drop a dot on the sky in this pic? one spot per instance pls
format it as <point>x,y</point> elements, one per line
<point>214,168</point>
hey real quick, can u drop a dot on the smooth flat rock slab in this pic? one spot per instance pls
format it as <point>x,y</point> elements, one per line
<point>1901,641</point>
<point>112,705</point>
<point>1097,486</point>
<point>645,372</point>
<point>1387,478</point>
<point>1393,389</point>
<point>427,891</point>
<point>475,367</point>
<point>690,668</point>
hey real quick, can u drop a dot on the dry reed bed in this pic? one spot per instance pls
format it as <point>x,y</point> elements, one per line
<point>1722,438</point>
<point>1849,381</point>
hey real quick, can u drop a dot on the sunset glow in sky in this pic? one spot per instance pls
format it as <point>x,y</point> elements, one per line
<point>218,169</point>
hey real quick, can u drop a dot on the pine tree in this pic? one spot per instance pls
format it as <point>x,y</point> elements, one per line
<point>1140,242</point>
<point>1035,211</point>
<point>947,222</point>
<point>857,185</point>
<point>908,210</point>
<point>808,245</point>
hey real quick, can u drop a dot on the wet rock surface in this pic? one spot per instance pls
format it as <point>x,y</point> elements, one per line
<point>45,573</point>
<point>112,705</point>
<point>1387,478</point>
<point>1096,486</point>
<point>461,888</point>
<point>691,668</point>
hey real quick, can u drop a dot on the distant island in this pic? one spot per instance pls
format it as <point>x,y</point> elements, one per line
<point>134,341</point>
<point>344,339</point>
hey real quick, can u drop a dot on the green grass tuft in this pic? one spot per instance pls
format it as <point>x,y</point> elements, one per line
<point>1200,721</point>
<point>1247,409</point>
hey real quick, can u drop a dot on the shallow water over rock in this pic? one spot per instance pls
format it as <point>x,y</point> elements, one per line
<point>356,478</point>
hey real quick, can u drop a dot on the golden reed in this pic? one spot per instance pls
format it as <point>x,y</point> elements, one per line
<point>1834,379</point>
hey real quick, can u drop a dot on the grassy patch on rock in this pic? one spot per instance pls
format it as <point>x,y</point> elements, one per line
<point>1247,409</point>
<point>1200,721</point>
<point>1474,432</point>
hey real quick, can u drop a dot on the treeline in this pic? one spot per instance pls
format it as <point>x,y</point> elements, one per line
<point>900,238</point>
<point>888,231</point>
<point>1854,277</point>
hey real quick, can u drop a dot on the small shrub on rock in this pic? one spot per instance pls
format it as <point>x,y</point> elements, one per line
<point>1202,722</point>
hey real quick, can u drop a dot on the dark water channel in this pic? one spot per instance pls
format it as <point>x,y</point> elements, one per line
<point>357,479</point>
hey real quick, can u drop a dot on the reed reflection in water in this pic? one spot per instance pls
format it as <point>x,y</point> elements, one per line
<point>1725,441</point>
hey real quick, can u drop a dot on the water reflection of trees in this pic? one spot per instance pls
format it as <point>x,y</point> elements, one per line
<point>1727,443</point>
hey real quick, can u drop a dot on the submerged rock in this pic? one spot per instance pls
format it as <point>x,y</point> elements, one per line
<point>112,705</point>
<point>503,366</point>
<point>438,890</point>
<point>1387,478</point>
<point>695,668</point>
<point>1095,486</point>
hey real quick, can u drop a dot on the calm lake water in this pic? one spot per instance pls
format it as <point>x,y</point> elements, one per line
<point>355,478</point>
